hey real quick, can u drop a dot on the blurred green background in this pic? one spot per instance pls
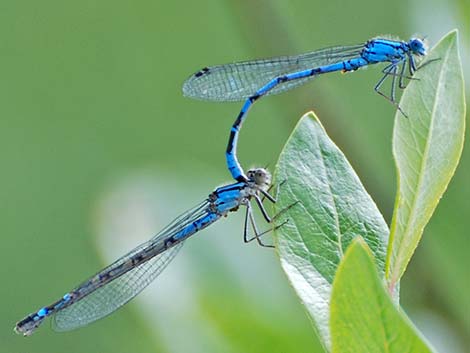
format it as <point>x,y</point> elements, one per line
<point>99,150</point>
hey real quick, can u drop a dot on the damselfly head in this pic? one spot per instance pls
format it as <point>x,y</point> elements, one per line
<point>259,176</point>
<point>417,46</point>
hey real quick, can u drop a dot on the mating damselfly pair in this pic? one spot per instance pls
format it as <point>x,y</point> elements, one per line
<point>118,283</point>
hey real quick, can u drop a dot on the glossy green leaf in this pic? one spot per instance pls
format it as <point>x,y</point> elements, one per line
<point>363,316</point>
<point>333,208</point>
<point>427,148</point>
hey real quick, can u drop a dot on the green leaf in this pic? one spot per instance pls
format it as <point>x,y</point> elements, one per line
<point>333,209</point>
<point>363,316</point>
<point>427,149</point>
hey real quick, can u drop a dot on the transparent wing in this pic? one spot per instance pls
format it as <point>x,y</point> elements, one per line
<point>118,283</point>
<point>238,81</point>
<point>105,300</point>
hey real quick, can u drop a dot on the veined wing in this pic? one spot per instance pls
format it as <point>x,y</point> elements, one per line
<point>121,281</point>
<point>238,81</point>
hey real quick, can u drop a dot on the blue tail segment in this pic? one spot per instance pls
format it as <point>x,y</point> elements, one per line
<point>121,281</point>
<point>251,80</point>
